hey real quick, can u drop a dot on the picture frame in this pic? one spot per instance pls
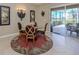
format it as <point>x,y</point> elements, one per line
<point>4,15</point>
<point>32,15</point>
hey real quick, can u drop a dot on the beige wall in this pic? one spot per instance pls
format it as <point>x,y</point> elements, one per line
<point>42,20</point>
<point>12,28</point>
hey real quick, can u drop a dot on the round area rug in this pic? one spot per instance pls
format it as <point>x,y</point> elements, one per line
<point>42,45</point>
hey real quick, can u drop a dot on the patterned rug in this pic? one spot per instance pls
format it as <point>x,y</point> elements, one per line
<point>42,45</point>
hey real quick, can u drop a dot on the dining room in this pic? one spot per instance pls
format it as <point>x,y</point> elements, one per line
<point>25,29</point>
<point>20,21</point>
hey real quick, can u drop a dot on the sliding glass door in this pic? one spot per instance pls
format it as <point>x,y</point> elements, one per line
<point>62,16</point>
<point>58,20</point>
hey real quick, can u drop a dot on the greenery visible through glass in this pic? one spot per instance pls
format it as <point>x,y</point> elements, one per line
<point>64,17</point>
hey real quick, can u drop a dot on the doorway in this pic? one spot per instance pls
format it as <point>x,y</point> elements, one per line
<point>63,16</point>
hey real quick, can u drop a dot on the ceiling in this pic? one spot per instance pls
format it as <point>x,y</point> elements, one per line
<point>37,4</point>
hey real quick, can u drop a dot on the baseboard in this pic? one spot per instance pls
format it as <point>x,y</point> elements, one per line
<point>4,36</point>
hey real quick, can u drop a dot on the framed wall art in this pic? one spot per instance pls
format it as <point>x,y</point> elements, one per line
<point>4,15</point>
<point>32,15</point>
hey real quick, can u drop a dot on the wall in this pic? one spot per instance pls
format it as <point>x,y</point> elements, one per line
<point>42,20</point>
<point>47,18</point>
<point>12,28</point>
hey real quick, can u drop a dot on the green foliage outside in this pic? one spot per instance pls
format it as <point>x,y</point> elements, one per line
<point>59,22</point>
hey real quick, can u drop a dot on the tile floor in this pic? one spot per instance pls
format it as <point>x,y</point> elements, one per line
<point>61,46</point>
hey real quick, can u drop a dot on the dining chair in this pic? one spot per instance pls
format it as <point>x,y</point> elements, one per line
<point>21,32</point>
<point>30,33</point>
<point>19,26</point>
<point>43,31</point>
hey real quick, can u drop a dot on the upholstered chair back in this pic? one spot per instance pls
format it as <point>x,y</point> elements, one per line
<point>45,27</point>
<point>19,26</point>
<point>30,31</point>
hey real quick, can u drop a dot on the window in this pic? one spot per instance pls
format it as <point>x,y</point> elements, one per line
<point>58,16</point>
<point>61,15</point>
<point>71,15</point>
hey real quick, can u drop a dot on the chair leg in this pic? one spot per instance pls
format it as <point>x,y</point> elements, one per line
<point>33,41</point>
<point>66,32</point>
<point>77,34</point>
<point>70,33</point>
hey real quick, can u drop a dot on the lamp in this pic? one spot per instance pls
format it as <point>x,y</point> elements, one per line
<point>21,13</point>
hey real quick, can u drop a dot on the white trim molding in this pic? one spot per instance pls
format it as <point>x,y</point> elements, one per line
<point>4,36</point>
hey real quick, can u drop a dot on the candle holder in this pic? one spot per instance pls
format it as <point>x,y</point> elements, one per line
<point>21,13</point>
<point>42,13</point>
